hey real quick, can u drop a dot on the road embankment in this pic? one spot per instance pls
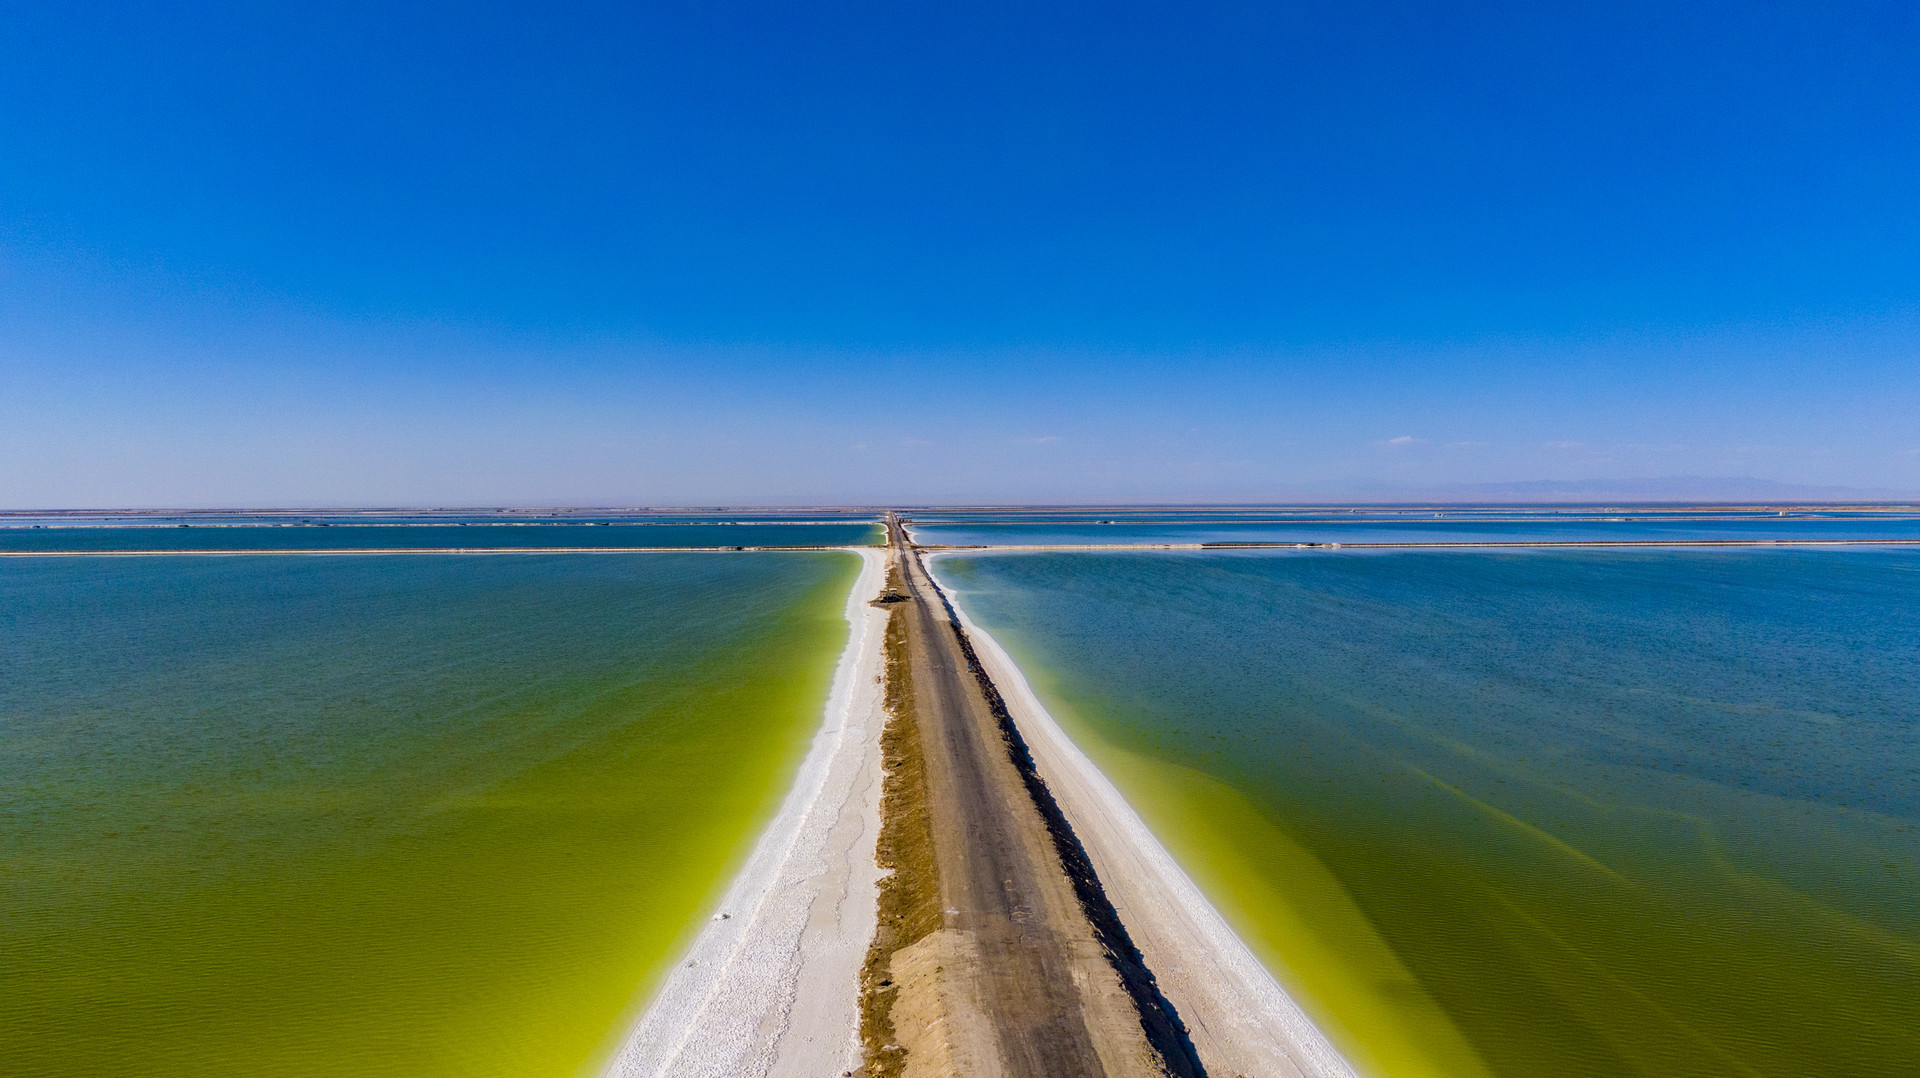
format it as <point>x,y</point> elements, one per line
<point>1238,1019</point>
<point>1018,979</point>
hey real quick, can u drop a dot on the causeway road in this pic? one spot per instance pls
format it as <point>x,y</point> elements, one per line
<point>1022,979</point>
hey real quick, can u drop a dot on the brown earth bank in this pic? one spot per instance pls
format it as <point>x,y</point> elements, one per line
<point>910,891</point>
<point>998,953</point>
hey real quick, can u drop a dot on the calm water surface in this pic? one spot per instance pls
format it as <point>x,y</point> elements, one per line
<point>1534,813</point>
<point>380,816</point>
<point>1434,528</point>
<point>205,536</point>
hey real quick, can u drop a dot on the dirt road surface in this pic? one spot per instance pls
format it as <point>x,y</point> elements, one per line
<point>1031,974</point>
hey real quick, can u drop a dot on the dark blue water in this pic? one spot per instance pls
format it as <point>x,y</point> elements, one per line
<point>1432,528</point>
<point>1583,812</point>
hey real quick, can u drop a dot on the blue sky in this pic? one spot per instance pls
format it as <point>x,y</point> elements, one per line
<point>633,254</point>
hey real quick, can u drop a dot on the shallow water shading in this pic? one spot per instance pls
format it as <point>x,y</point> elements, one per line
<point>1522,814</point>
<point>391,536</point>
<point>1436,528</point>
<point>382,816</point>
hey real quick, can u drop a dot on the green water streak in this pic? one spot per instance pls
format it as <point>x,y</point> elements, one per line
<point>411,816</point>
<point>1540,815</point>
<point>431,536</point>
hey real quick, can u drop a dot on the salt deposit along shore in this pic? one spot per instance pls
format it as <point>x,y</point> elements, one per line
<point>1240,1019</point>
<point>769,987</point>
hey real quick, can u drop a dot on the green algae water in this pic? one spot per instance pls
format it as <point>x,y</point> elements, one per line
<point>381,816</point>
<point>354,536</point>
<point>1522,814</point>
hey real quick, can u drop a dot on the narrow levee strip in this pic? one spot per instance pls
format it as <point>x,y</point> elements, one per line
<point>1238,1018</point>
<point>909,907</point>
<point>1017,981</point>
<point>1159,1019</point>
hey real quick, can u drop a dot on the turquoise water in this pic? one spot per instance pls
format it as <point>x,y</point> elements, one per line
<point>205,536</point>
<point>1429,528</point>
<point>1532,813</point>
<point>396,816</point>
<point>264,517</point>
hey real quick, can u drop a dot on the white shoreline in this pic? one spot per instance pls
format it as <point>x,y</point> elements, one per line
<point>1240,1018</point>
<point>770,986</point>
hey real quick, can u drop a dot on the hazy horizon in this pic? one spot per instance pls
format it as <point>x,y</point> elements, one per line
<point>1649,493</point>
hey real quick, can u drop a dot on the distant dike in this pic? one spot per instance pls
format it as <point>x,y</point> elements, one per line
<point>1686,489</point>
